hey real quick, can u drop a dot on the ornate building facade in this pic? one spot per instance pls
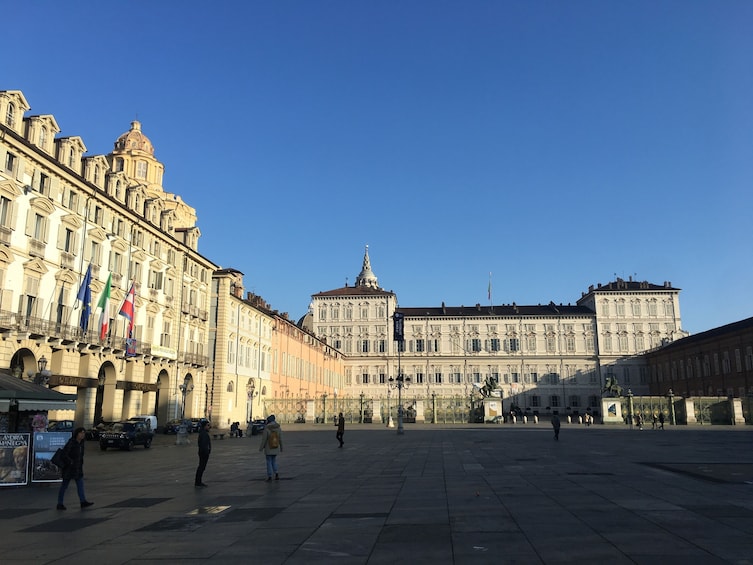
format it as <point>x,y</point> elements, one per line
<point>543,358</point>
<point>63,212</point>
<point>258,357</point>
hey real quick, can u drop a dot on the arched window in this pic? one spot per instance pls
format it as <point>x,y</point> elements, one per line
<point>230,386</point>
<point>10,116</point>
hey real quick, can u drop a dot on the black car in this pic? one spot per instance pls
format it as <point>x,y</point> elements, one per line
<point>60,426</point>
<point>172,426</point>
<point>124,435</point>
<point>257,426</point>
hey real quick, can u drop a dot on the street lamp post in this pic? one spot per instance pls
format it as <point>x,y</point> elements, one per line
<point>671,396</point>
<point>185,388</point>
<point>389,409</point>
<point>361,407</point>
<point>251,394</point>
<point>630,407</point>
<point>433,407</point>
<point>324,408</point>
<point>43,376</point>
<point>181,437</point>
<point>400,382</point>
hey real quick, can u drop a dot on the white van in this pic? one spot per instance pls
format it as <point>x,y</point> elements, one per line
<point>151,421</point>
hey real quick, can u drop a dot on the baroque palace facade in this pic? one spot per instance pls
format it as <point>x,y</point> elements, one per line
<point>543,358</point>
<point>197,348</point>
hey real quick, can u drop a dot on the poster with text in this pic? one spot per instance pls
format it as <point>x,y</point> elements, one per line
<point>45,446</point>
<point>14,459</point>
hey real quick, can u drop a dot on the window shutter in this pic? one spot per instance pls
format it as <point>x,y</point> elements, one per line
<point>61,237</point>
<point>20,169</point>
<point>29,223</point>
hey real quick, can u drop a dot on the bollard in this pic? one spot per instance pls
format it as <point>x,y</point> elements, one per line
<point>181,438</point>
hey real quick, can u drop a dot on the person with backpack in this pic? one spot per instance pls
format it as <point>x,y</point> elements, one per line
<point>271,444</point>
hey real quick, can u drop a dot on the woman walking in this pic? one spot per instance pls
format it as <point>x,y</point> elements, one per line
<point>271,444</point>
<point>74,468</point>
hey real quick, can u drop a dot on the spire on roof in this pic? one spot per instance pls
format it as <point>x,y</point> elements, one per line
<point>366,277</point>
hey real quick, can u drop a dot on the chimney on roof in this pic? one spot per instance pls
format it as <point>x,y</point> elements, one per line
<point>478,306</point>
<point>444,308</point>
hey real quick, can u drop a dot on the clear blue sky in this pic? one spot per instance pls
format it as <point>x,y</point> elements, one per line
<point>553,144</point>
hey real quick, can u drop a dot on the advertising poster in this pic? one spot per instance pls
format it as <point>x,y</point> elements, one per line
<point>14,459</point>
<point>45,446</point>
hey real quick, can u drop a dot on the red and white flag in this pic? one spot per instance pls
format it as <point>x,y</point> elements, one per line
<point>128,309</point>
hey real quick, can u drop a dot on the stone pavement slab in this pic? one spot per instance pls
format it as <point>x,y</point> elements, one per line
<point>437,494</point>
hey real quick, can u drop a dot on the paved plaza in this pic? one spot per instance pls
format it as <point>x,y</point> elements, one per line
<point>435,495</point>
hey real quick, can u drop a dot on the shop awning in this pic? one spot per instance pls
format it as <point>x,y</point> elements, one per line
<point>46,405</point>
<point>31,396</point>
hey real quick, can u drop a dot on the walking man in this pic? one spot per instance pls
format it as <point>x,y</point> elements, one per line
<point>556,426</point>
<point>340,428</point>
<point>73,470</point>
<point>205,448</point>
<point>661,420</point>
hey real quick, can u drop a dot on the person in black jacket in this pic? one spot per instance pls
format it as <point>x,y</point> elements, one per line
<point>340,428</point>
<point>205,448</point>
<point>74,468</point>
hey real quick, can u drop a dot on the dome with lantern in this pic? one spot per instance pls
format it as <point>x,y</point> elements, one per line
<point>134,140</point>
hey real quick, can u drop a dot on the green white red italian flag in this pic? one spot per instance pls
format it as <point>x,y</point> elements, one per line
<point>104,306</point>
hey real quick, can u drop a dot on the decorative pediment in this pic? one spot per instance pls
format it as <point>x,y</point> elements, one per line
<point>120,245</point>
<point>66,277</point>
<point>8,188</point>
<point>42,203</point>
<point>157,265</point>
<point>98,234</point>
<point>72,220</point>
<point>35,266</point>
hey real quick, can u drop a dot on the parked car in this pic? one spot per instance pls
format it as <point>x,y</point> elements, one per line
<point>151,421</point>
<point>60,426</point>
<point>92,434</point>
<point>257,426</point>
<point>125,435</point>
<point>172,426</point>
<point>195,424</point>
